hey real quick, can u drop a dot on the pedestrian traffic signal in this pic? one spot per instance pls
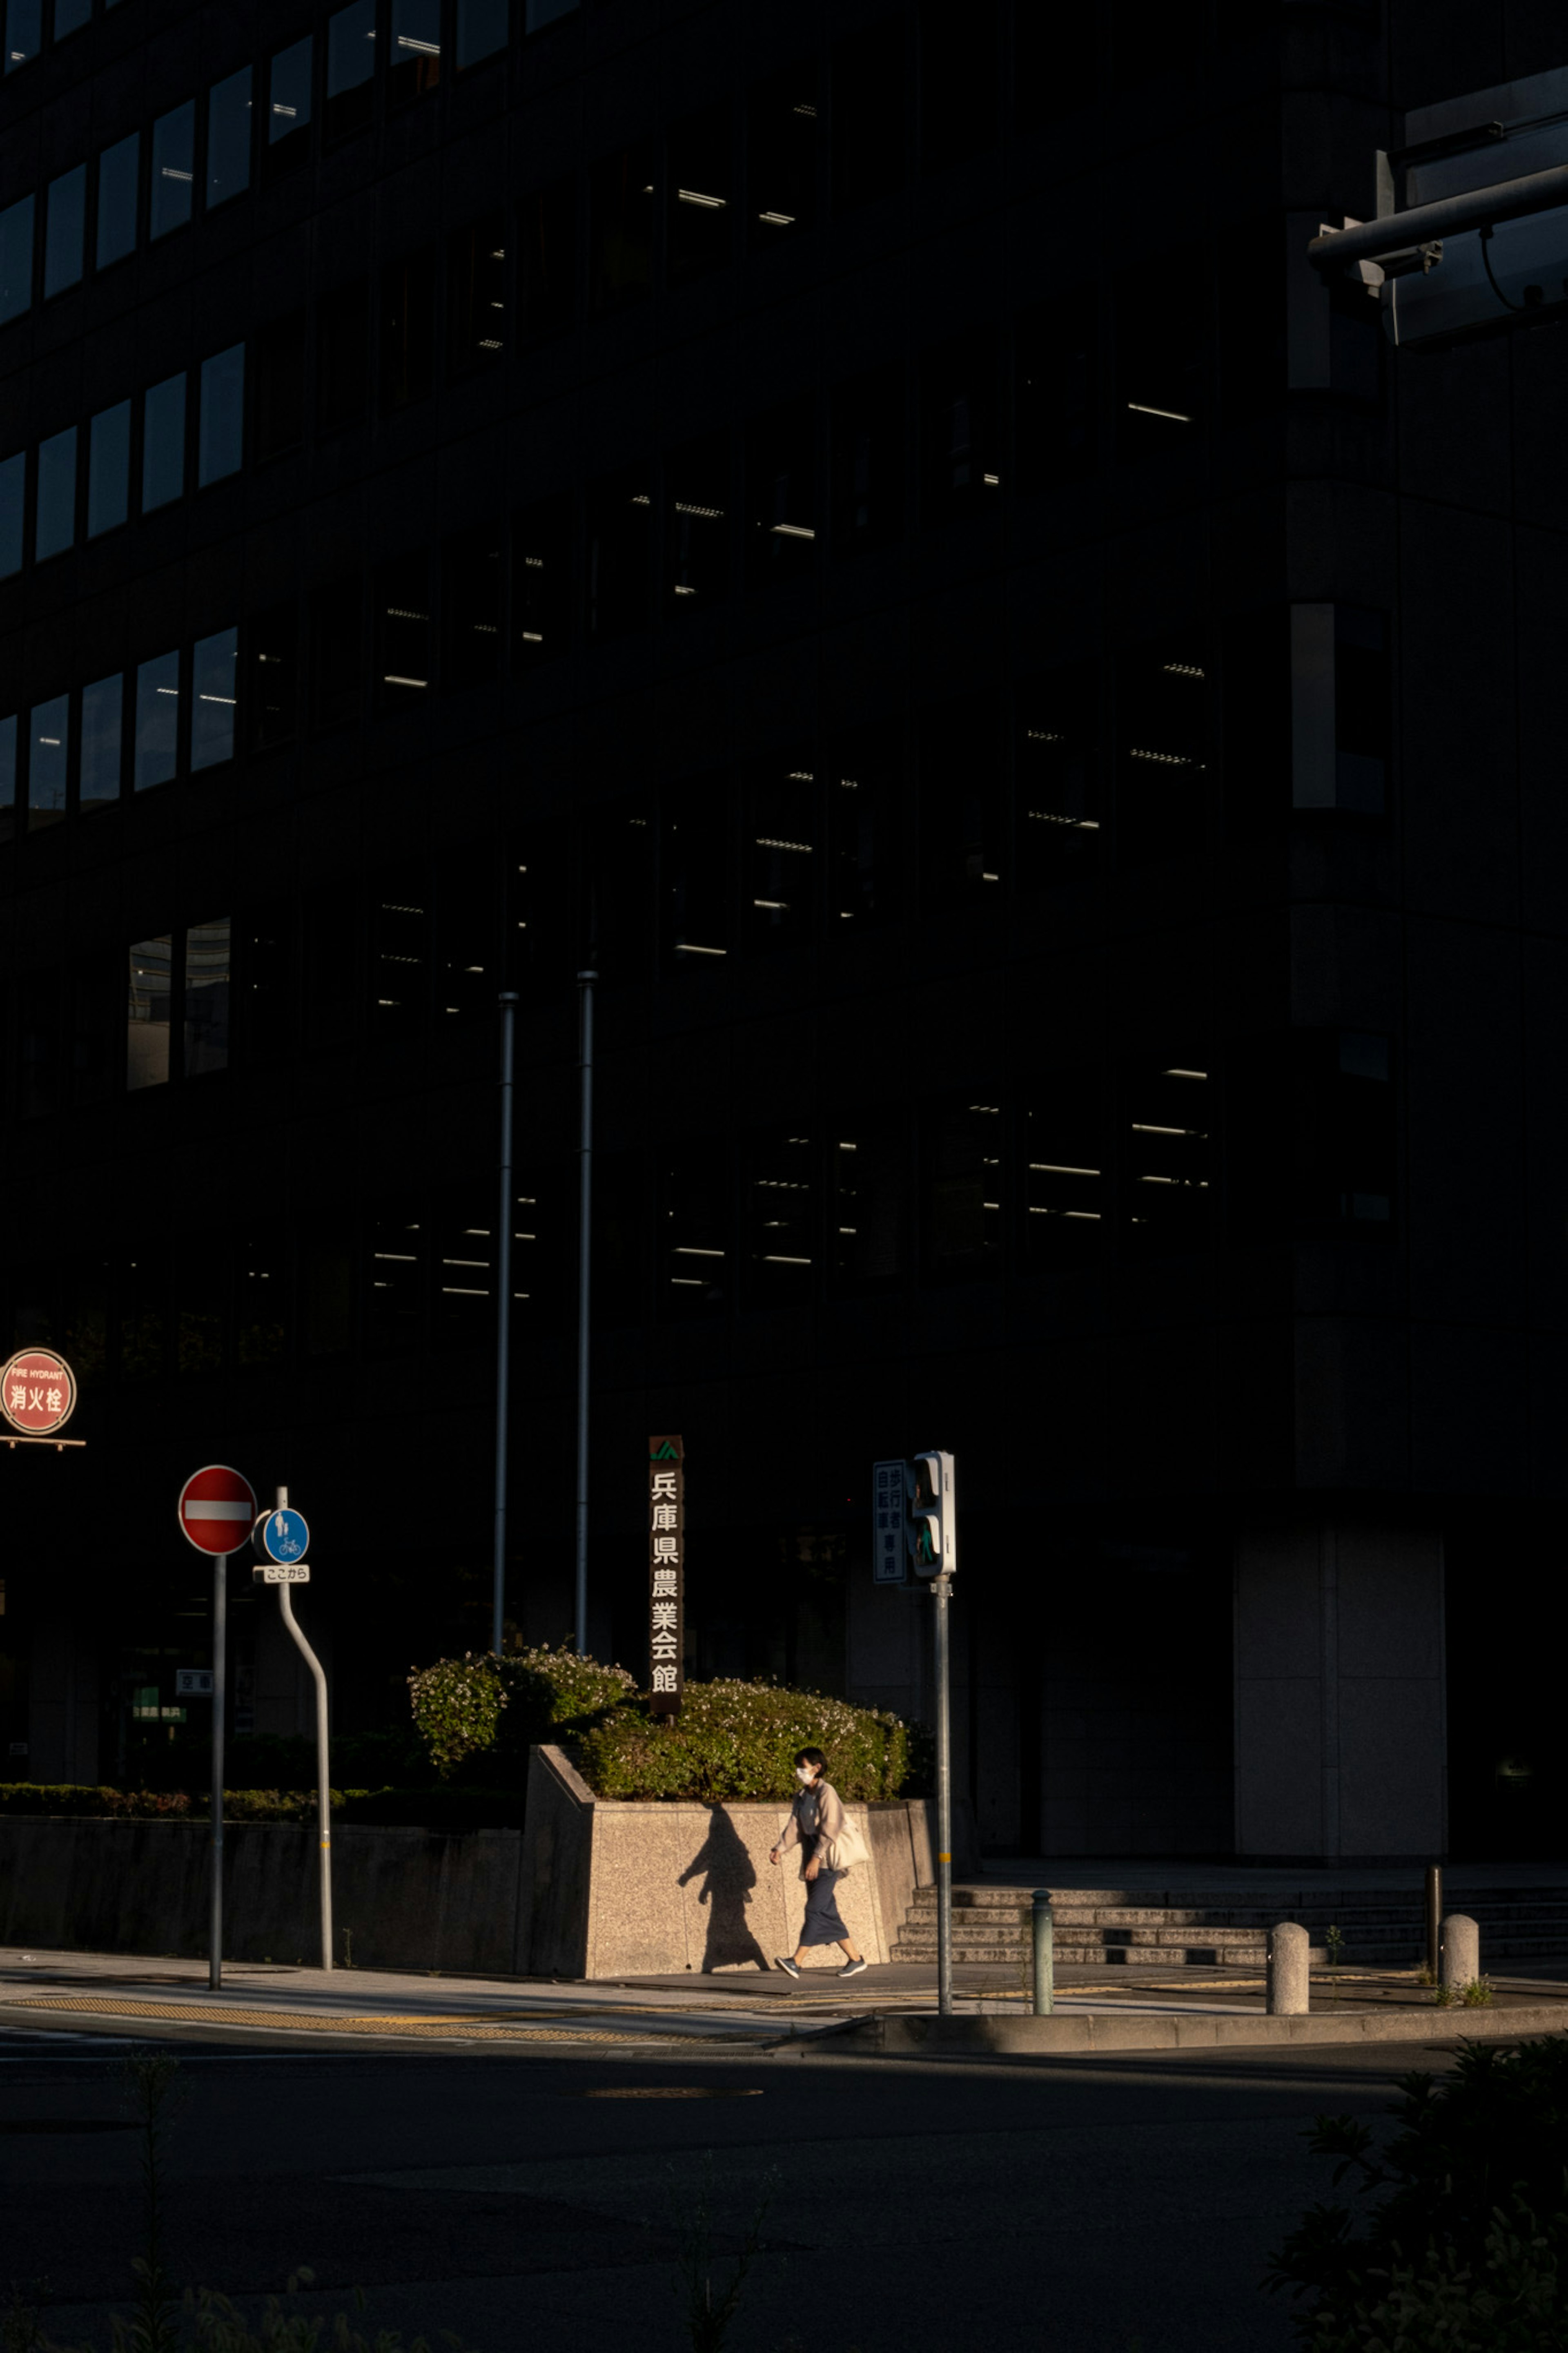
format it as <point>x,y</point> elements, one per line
<point>932,1526</point>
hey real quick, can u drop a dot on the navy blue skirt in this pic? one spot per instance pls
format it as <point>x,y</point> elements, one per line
<point>822,1924</point>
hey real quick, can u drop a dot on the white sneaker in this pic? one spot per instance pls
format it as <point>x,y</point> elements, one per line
<point>854,1969</point>
<point>788,1968</point>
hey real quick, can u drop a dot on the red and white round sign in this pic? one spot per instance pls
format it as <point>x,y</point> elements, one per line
<point>217,1508</point>
<point>38,1392</point>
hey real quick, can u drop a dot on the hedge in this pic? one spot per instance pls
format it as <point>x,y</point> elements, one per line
<point>86,1802</point>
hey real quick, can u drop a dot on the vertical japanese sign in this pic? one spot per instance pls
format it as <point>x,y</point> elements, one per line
<point>887,1491</point>
<point>667,1570</point>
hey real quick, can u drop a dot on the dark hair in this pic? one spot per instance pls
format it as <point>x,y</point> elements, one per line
<point>811,1756</point>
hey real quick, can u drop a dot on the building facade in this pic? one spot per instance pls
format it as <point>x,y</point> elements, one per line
<point>862,527</point>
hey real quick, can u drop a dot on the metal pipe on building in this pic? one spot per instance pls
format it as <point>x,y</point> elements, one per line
<point>503,1320</point>
<point>585,981</point>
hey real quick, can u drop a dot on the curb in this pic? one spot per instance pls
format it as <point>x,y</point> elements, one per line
<point>902,2035</point>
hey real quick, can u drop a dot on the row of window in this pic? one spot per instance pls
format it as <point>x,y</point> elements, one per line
<point>1153,752</point>
<point>1083,1169</point>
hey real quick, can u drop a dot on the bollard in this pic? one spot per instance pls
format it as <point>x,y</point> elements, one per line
<point>1290,1971</point>
<point>1045,1954</point>
<point>1461,1952</point>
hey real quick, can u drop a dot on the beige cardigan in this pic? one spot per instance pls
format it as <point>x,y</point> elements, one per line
<point>827,1816</point>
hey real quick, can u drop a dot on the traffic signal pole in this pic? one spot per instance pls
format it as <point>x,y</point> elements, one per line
<point>941,1593</point>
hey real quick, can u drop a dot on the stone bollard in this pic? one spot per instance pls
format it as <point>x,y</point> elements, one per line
<point>1290,1971</point>
<point>1461,1952</point>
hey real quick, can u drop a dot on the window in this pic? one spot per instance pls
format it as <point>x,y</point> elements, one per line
<point>351,65</point>
<point>24,31</point>
<point>547,260</point>
<point>1056,62</point>
<point>228,138</point>
<point>868,461</point>
<point>783,128</point>
<point>415,61</point>
<point>173,169</point>
<point>864,771</point>
<point>163,443</point>
<point>49,760</point>
<point>464,961</point>
<point>70,16</point>
<point>118,172</point>
<point>1165,1149</point>
<point>1055,396</point>
<point>475,295</point>
<point>157,720</point>
<point>465,1244</point>
<point>281,388</point>
<point>409,329</point>
<point>866,1212</point>
<point>781,494</point>
<point>403,631</point>
<point>539,12</point>
<point>868,126</point>
<point>693,1229</point>
<point>56,495</point>
<point>13,513</point>
<point>206,995</point>
<point>98,1026</point>
<point>16,259</point>
<point>394,1293</point>
<point>220,433</point>
<point>621,192</point>
<point>201,1305</point>
<point>782,848</point>
<point>780,1241</point>
<point>482,29</point>
<point>327,1295</point>
<point>960,455</point>
<point>963,1172</point>
<point>1162,358</point>
<point>151,970</point>
<point>620,552</point>
<point>260,1299</point>
<point>1161,781</point>
<point>960,57</point>
<point>109,469</point>
<point>272,676</point>
<point>289,109</point>
<point>1341,708</point>
<point>1064,1172</point>
<point>1057,831</point>
<point>541,581</point>
<point>471,582</point>
<point>262,984</point>
<point>343,356</point>
<point>696,522</point>
<point>335,643</point>
<point>42,1009</point>
<point>101,718</point>
<point>215,677</point>
<point>962,832</point>
<point>694,874</point>
<point>618,876</point>
<point>330,965</point>
<point>697,193</point>
<point>544,937</point>
<point>143,1297</point>
<point>65,231</point>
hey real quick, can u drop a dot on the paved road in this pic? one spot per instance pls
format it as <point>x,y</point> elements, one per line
<point>524,2202</point>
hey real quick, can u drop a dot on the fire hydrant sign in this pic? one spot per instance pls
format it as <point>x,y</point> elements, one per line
<point>38,1392</point>
<point>666,1571</point>
<point>217,1509</point>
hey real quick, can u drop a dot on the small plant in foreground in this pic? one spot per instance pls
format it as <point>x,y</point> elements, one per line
<point>710,2305</point>
<point>1478,1994</point>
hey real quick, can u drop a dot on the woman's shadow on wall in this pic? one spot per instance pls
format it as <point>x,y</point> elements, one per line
<point>731,1875</point>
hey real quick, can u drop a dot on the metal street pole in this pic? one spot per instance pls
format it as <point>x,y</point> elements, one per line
<point>941,1590</point>
<point>220,1652</point>
<point>585,1272</point>
<point>503,1320</point>
<point>323,1761</point>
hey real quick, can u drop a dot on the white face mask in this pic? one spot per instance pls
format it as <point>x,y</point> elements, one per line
<point>806,1772</point>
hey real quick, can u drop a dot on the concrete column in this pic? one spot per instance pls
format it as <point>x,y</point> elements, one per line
<point>1338,1689</point>
<point>1461,1964</point>
<point>1289,1971</point>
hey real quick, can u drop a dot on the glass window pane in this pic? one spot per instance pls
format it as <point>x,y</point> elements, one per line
<point>151,965</point>
<point>48,754</point>
<point>1165,1146</point>
<point>16,259</point>
<point>109,469</point>
<point>56,495</point>
<point>220,432</point>
<point>208,965</point>
<point>157,720</point>
<point>779,1210</point>
<point>1064,1171</point>
<point>65,231</point>
<point>13,505</point>
<point>476,294</point>
<point>70,16</point>
<point>482,29</point>
<point>540,13</point>
<point>228,138</point>
<point>24,31</point>
<point>289,105</point>
<point>415,61</point>
<point>101,705</point>
<point>351,62</point>
<point>174,168</point>
<point>118,171</point>
<point>164,443</point>
<point>214,673</point>
<point>7,777</point>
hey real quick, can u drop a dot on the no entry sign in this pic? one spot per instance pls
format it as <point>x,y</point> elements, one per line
<point>217,1508</point>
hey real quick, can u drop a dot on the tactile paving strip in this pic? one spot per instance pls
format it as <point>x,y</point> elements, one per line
<point>316,2022</point>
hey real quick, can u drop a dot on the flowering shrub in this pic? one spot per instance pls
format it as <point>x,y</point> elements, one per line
<point>457,1705</point>
<point>737,1739</point>
<point>460,1705</point>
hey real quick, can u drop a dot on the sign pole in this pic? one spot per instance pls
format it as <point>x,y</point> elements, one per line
<point>220,1652</point>
<point>217,1504</point>
<point>584,1265</point>
<point>503,1320</point>
<point>941,1589</point>
<point>281,1539</point>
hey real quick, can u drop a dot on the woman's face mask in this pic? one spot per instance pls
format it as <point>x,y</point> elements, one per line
<point>806,1773</point>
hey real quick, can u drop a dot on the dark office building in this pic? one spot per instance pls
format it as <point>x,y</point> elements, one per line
<point>864,525</point>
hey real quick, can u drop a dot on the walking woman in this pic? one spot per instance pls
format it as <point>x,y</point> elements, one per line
<point>815,1817</point>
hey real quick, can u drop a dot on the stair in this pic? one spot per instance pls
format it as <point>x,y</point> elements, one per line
<point>1095,1927</point>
